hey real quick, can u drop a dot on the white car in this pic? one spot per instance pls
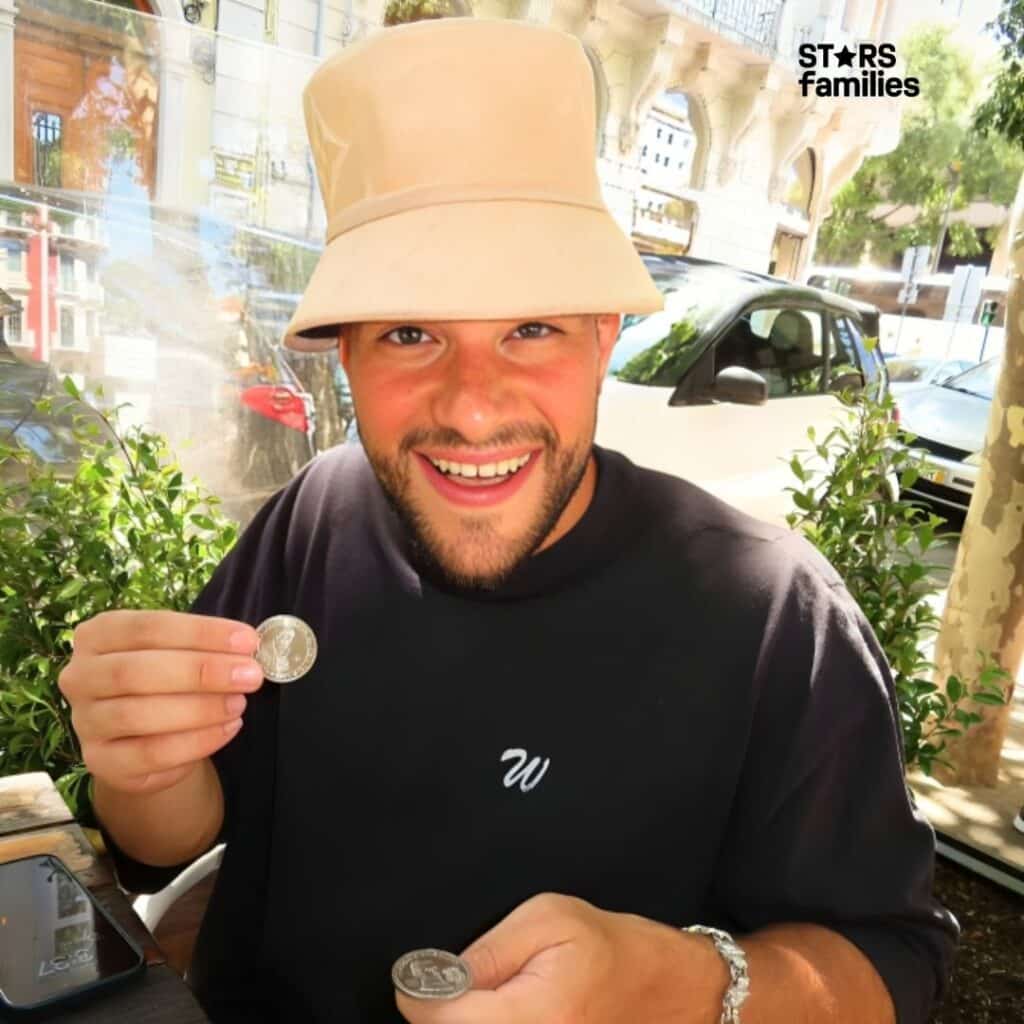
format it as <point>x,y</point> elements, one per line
<point>720,387</point>
<point>950,421</point>
<point>910,374</point>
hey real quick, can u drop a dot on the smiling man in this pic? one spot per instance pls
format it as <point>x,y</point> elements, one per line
<point>481,433</point>
<point>633,752</point>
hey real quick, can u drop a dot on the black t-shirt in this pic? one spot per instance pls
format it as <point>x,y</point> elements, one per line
<point>675,710</point>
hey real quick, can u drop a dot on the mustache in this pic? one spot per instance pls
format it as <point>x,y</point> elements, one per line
<point>448,437</point>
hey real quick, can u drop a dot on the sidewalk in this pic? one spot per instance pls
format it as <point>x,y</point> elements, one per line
<point>974,823</point>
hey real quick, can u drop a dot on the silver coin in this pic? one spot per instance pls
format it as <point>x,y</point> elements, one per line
<point>286,649</point>
<point>431,974</point>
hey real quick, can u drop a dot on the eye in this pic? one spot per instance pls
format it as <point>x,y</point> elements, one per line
<point>533,328</point>
<point>406,336</point>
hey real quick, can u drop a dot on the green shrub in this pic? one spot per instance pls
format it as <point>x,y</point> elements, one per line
<point>400,12</point>
<point>877,542</point>
<point>121,529</point>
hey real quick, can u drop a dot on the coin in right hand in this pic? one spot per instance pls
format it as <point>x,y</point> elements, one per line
<point>431,974</point>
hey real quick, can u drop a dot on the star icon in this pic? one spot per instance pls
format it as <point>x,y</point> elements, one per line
<point>844,57</point>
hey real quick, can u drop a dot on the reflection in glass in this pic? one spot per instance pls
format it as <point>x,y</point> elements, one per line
<point>46,149</point>
<point>167,198</point>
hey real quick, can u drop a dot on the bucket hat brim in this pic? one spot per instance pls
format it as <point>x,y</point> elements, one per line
<point>490,259</point>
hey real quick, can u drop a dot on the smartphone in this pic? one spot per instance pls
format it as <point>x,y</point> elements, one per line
<point>57,944</point>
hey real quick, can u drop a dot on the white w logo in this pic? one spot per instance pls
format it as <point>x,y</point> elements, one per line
<point>526,774</point>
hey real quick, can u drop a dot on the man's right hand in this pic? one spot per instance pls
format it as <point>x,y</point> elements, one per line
<point>155,693</point>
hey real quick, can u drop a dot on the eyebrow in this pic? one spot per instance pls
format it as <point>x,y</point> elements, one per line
<point>380,325</point>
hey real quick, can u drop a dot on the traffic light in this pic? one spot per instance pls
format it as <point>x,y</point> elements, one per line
<point>989,308</point>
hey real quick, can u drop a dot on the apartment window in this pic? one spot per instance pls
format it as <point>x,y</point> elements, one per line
<point>12,328</point>
<point>643,152</point>
<point>659,133</point>
<point>67,272</point>
<point>67,327</point>
<point>14,251</point>
<point>671,136</point>
<point>47,139</point>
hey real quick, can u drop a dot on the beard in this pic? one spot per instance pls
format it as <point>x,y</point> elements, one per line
<point>478,556</point>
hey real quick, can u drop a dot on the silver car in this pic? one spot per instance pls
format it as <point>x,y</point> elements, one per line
<point>910,374</point>
<point>950,420</point>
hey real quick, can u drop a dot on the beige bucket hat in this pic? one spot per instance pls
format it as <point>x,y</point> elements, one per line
<point>457,163</point>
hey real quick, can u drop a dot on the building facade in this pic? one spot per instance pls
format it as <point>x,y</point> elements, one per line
<point>707,145</point>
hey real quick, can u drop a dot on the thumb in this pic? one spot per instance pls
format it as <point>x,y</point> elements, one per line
<point>534,926</point>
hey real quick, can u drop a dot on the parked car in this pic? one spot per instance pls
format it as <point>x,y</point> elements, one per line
<point>950,421</point>
<point>909,374</point>
<point>720,387</point>
<point>23,383</point>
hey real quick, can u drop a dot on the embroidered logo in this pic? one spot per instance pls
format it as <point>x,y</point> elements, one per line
<point>527,772</point>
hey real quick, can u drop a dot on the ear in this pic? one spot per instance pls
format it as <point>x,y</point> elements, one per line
<point>344,345</point>
<point>607,326</point>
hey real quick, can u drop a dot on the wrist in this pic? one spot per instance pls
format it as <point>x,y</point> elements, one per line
<point>711,976</point>
<point>687,977</point>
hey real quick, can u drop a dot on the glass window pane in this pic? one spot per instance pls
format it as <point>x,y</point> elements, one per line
<point>67,327</point>
<point>782,345</point>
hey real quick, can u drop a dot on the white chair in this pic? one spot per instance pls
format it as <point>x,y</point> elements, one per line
<point>152,907</point>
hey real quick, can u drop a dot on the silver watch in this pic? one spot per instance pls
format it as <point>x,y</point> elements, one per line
<point>736,960</point>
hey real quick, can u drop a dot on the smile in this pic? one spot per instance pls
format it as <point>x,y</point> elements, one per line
<point>478,484</point>
<point>497,471</point>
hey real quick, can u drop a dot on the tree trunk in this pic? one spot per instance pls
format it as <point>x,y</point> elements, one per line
<point>985,605</point>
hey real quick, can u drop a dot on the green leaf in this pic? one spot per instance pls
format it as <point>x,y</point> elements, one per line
<point>955,689</point>
<point>72,388</point>
<point>993,699</point>
<point>70,589</point>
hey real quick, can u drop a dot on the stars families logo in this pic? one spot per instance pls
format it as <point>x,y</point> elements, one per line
<point>872,62</point>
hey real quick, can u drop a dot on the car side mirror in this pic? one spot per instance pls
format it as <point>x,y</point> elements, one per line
<point>853,379</point>
<point>740,385</point>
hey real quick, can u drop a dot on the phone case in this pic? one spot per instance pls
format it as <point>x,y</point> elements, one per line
<point>79,993</point>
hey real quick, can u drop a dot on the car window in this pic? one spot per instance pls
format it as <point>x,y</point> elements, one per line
<point>948,369</point>
<point>659,348</point>
<point>906,371</point>
<point>783,345</point>
<point>979,380</point>
<point>846,343</point>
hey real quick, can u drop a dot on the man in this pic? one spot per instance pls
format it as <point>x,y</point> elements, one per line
<point>564,709</point>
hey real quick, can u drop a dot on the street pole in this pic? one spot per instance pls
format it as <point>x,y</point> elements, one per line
<point>903,316</point>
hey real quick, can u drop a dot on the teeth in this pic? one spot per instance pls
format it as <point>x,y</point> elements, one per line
<point>487,469</point>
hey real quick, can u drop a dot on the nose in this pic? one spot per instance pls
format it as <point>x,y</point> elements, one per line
<point>474,395</point>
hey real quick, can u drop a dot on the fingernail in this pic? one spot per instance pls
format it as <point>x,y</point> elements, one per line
<point>246,675</point>
<point>243,640</point>
<point>235,704</point>
<point>233,726</point>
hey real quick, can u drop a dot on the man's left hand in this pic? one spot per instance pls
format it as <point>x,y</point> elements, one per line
<point>560,959</point>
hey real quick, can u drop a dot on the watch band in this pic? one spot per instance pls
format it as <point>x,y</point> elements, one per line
<point>736,960</point>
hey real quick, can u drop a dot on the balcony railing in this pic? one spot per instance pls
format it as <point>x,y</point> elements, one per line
<point>754,23</point>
